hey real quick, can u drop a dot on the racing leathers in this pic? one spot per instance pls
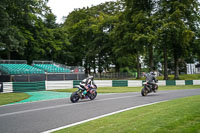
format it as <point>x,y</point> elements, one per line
<point>151,79</point>
<point>88,83</point>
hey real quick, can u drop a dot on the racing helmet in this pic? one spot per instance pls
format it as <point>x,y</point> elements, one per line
<point>152,73</point>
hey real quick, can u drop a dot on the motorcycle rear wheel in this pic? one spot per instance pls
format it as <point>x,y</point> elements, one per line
<point>74,97</point>
<point>144,92</point>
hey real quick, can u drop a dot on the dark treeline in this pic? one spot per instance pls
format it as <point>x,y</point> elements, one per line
<point>28,31</point>
<point>127,34</point>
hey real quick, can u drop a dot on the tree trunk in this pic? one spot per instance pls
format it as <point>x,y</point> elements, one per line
<point>165,64</point>
<point>151,57</point>
<point>176,67</point>
<point>94,67</point>
<point>8,55</point>
<point>117,67</point>
<point>85,65</point>
<point>138,66</point>
<point>99,65</point>
<point>89,68</point>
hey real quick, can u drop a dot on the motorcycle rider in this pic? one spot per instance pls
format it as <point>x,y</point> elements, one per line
<point>151,79</point>
<point>88,83</point>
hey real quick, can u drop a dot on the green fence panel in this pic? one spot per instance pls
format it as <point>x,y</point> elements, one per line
<point>143,82</point>
<point>188,82</point>
<point>28,86</point>
<point>76,82</point>
<point>41,85</point>
<point>170,82</point>
<point>119,83</point>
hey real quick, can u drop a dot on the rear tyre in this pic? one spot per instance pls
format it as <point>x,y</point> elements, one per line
<point>74,97</point>
<point>144,92</point>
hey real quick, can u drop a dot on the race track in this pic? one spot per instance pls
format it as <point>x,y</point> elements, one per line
<point>46,115</point>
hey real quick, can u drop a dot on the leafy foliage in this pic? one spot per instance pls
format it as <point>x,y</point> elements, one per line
<point>124,35</point>
<point>29,31</point>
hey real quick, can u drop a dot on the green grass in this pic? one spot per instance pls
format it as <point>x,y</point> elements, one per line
<point>190,77</point>
<point>132,89</point>
<point>183,77</point>
<point>176,116</point>
<point>6,98</point>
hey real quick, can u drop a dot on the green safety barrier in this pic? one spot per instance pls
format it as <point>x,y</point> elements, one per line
<point>170,82</point>
<point>40,86</point>
<point>143,82</point>
<point>76,82</point>
<point>119,83</point>
<point>28,86</point>
<point>188,82</point>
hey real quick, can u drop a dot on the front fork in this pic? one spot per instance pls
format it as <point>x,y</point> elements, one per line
<point>148,89</point>
<point>80,93</point>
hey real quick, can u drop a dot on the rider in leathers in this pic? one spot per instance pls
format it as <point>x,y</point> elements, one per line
<point>88,83</point>
<point>151,79</point>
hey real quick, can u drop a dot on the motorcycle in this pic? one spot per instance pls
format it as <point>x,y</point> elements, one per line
<point>148,88</point>
<point>82,93</point>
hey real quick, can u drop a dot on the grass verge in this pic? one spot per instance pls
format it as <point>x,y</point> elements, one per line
<point>6,98</point>
<point>182,77</point>
<point>180,115</point>
<point>132,89</point>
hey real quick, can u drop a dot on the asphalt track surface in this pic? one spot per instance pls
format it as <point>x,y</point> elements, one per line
<point>46,115</point>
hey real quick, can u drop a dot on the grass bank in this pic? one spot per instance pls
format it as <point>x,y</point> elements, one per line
<point>180,116</point>
<point>132,89</point>
<point>183,77</point>
<point>6,98</point>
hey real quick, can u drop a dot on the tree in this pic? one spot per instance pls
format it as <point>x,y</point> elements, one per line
<point>89,30</point>
<point>77,24</point>
<point>177,17</point>
<point>18,22</point>
<point>29,31</point>
<point>50,20</point>
<point>139,29</point>
<point>11,39</point>
<point>47,42</point>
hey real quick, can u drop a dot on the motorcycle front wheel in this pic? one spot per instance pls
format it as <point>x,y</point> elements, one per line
<point>144,92</point>
<point>74,97</point>
<point>93,95</point>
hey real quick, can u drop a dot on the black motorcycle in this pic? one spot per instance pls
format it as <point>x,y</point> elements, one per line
<point>83,93</point>
<point>148,88</point>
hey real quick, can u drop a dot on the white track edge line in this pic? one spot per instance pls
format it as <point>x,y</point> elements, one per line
<point>101,116</point>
